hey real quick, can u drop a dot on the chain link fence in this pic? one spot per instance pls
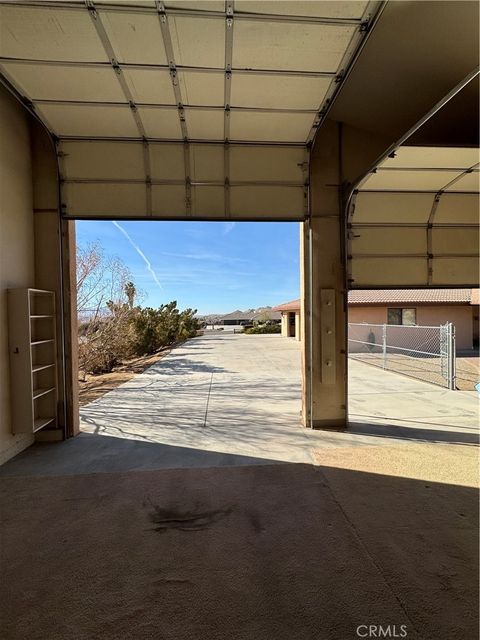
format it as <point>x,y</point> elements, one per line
<point>425,353</point>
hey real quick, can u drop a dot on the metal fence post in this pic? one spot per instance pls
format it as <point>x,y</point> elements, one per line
<point>384,345</point>
<point>451,356</point>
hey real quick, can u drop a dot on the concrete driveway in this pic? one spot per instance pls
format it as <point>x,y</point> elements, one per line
<point>213,397</point>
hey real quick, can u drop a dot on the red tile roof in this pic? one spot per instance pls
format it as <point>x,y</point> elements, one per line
<point>293,305</point>
<point>401,296</point>
<point>417,296</point>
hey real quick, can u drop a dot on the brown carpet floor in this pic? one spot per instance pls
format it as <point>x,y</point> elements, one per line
<point>280,552</point>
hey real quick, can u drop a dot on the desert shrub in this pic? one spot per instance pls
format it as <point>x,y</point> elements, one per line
<point>157,328</point>
<point>264,328</point>
<point>108,340</point>
<point>83,328</point>
<point>145,331</point>
<point>112,328</point>
<point>105,297</point>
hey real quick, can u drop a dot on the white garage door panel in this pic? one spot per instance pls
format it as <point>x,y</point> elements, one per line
<point>102,160</point>
<point>123,164</point>
<point>168,201</point>
<point>389,272</point>
<point>201,88</point>
<point>207,163</point>
<point>455,241</point>
<point>135,37</point>
<point>88,121</point>
<point>384,241</point>
<point>160,123</point>
<point>167,162</point>
<point>105,199</point>
<point>409,180</point>
<point>267,91</point>
<point>277,127</point>
<point>205,124</point>
<point>151,86</point>
<point>441,225</point>
<point>205,5</point>
<point>208,202</point>
<point>48,34</point>
<point>256,201</point>
<point>66,82</point>
<point>337,9</point>
<point>468,182</point>
<point>452,271</point>
<point>267,45</point>
<point>433,158</point>
<point>198,42</point>
<point>389,208</point>
<point>458,208</point>
<point>267,163</point>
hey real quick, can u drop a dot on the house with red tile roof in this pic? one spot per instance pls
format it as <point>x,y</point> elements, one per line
<point>426,307</point>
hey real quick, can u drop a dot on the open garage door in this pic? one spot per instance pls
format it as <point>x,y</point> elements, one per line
<point>173,110</point>
<point>414,220</point>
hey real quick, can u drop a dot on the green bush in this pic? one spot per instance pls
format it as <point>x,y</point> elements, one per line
<point>264,328</point>
<point>125,331</point>
<point>157,328</point>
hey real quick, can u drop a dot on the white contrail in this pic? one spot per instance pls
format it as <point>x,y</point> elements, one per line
<point>140,253</point>
<point>228,227</point>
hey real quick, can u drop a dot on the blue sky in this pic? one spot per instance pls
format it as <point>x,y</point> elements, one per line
<point>210,266</point>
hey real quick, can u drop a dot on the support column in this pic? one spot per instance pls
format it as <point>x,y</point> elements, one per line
<point>324,290</point>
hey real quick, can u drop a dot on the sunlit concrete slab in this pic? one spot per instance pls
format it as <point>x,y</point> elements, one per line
<point>219,400</point>
<point>223,393</point>
<point>377,395</point>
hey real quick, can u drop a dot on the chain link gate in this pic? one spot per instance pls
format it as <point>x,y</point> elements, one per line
<point>423,352</point>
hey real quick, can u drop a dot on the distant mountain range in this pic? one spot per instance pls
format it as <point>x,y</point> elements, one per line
<point>248,314</point>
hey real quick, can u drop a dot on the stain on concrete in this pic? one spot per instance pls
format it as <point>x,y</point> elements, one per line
<point>254,520</point>
<point>163,582</point>
<point>169,518</point>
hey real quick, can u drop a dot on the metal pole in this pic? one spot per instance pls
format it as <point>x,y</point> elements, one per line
<point>451,357</point>
<point>448,349</point>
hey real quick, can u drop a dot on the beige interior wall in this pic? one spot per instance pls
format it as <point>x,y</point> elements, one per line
<point>16,245</point>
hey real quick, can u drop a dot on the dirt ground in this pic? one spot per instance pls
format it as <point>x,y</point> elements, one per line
<point>95,386</point>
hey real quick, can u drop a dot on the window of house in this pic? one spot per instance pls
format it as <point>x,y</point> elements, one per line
<point>397,315</point>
